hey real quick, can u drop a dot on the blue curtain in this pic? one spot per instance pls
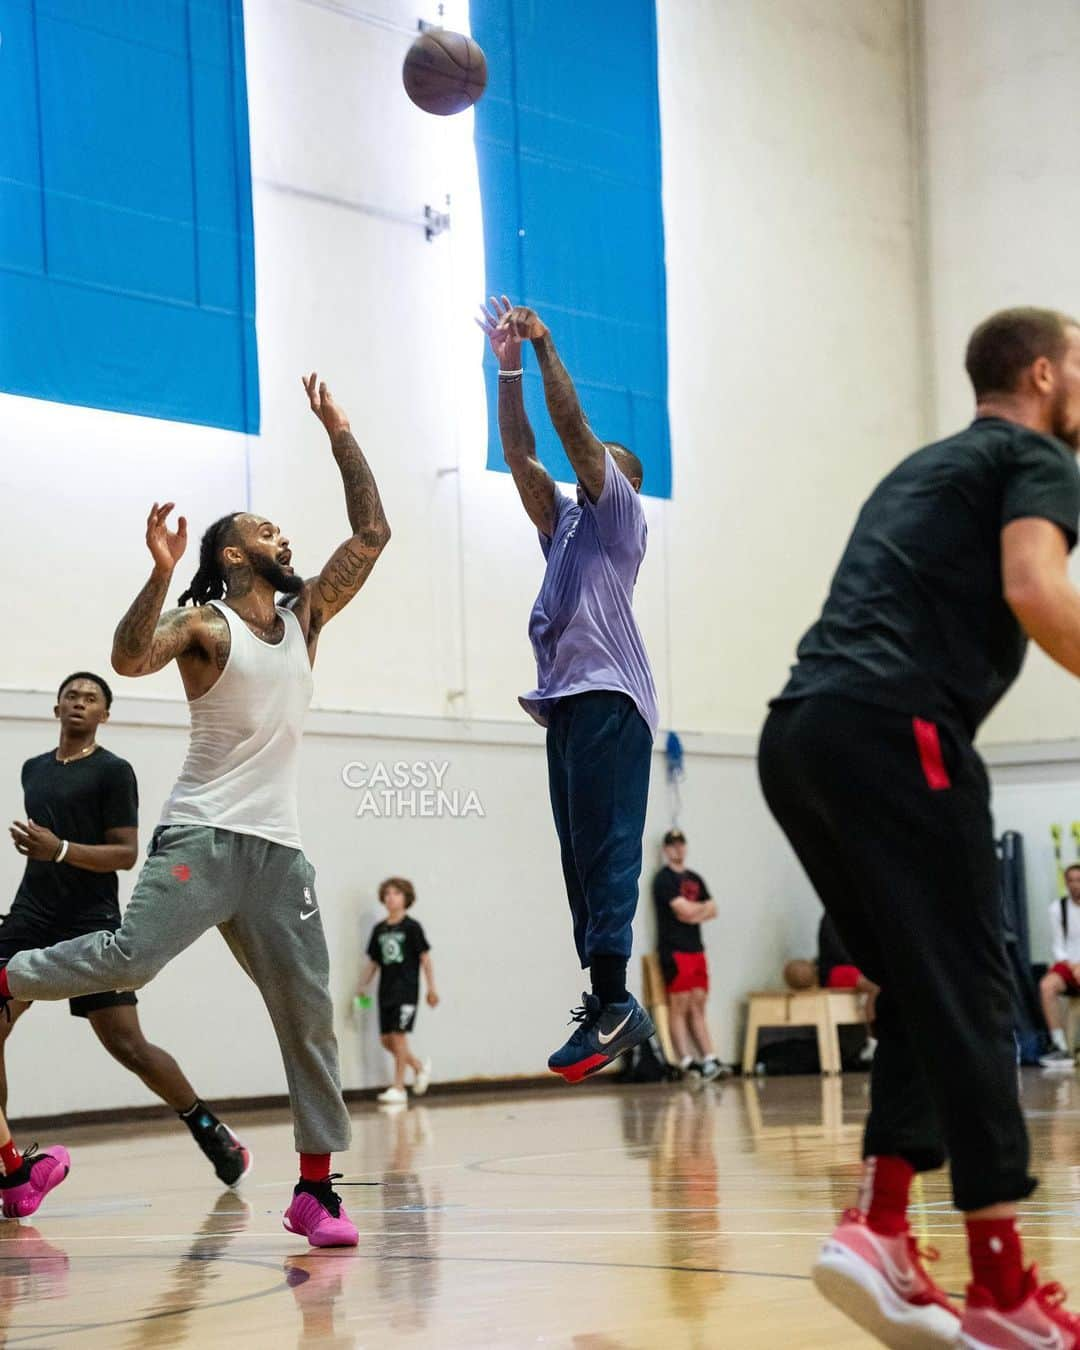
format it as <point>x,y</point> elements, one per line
<point>568,141</point>
<point>127,271</point>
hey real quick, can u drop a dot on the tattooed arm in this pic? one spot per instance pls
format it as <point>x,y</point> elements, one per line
<point>584,450</point>
<point>535,486</point>
<point>351,563</point>
<point>145,640</point>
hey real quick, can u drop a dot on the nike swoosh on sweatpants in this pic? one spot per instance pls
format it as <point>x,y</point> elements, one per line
<point>306,914</point>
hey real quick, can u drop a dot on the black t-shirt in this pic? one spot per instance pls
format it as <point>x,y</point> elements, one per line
<point>915,619</point>
<point>397,948</point>
<point>78,802</point>
<point>672,935</point>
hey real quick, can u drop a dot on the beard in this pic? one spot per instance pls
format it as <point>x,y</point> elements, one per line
<point>288,583</point>
<point>1063,429</point>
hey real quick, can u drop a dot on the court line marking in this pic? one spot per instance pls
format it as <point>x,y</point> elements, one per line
<point>37,1333</point>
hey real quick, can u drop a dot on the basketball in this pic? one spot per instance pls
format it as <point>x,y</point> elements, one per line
<point>444,72</point>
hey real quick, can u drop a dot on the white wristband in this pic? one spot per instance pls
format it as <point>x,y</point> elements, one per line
<point>63,851</point>
<point>512,374</point>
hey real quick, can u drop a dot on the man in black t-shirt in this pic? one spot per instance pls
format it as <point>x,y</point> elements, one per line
<point>683,904</point>
<point>82,816</point>
<point>866,760</point>
<point>398,951</point>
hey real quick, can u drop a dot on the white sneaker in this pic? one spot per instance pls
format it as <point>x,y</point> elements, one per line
<point>393,1096</point>
<point>422,1081</point>
<point>1058,1059</point>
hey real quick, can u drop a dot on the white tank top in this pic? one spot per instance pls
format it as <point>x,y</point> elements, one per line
<point>242,766</point>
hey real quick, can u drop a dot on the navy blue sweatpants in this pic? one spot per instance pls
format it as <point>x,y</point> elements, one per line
<point>599,751</point>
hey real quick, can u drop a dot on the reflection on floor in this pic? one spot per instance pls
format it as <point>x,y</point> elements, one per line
<point>657,1216</point>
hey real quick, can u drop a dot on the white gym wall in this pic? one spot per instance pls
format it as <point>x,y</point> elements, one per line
<point>799,300</point>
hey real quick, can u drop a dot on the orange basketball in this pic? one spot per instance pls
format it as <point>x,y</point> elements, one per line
<point>444,72</point>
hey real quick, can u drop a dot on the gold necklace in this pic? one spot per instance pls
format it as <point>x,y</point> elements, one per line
<point>81,755</point>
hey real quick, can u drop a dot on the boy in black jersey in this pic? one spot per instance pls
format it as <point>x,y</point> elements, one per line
<point>866,759</point>
<point>81,827</point>
<point>398,951</point>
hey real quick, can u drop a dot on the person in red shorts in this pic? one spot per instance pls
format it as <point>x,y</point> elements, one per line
<point>1061,981</point>
<point>683,904</point>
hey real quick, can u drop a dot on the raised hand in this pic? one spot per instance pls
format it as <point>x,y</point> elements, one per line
<point>166,546</point>
<point>323,406</point>
<point>525,324</point>
<point>505,344</point>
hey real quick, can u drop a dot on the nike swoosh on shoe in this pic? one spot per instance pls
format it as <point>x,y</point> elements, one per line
<point>605,1038</point>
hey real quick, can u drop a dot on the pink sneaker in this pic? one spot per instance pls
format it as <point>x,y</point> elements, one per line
<point>881,1283</point>
<point>317,1213</point>
<point>23,1191</point>
<point>1039,1321</point>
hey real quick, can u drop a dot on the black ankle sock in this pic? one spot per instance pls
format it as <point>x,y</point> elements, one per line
<point>198,1118</point>
<point>609,978</point>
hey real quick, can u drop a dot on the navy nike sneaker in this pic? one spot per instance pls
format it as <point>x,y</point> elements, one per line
<point>603,1032</point>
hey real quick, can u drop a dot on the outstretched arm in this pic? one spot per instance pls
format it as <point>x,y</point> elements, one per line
<point>1035,580</point>
<point>350,564</point>
<point>584,450</point>
<point>145,640</point>
<point>535,486</point>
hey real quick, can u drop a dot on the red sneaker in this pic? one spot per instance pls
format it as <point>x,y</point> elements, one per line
<point>1038,1322</point>
<point>22,1192</point>
<point>881,1283</point>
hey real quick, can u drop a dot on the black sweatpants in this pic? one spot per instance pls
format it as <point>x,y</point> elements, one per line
<point>890,818</point>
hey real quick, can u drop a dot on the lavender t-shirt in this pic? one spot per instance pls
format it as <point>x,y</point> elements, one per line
<point>582,627</point>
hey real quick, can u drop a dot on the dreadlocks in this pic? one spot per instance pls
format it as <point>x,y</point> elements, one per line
<point>208,583</point>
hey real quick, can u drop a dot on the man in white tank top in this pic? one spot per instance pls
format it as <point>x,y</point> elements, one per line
<point>227,852</point>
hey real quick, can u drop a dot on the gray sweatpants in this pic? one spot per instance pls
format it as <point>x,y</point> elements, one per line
<point>262,897</point>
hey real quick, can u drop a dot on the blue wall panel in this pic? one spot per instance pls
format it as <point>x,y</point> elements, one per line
<point>127,269</point>
<point>568,142</point>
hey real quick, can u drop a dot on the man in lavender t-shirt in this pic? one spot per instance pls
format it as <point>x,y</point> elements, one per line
<point>594,689</point>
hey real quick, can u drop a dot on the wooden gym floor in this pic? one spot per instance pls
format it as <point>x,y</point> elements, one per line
<point>596,1218</point>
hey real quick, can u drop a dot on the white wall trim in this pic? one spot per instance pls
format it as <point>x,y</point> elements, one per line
<point>1014,754</point>
<point>35,705</point>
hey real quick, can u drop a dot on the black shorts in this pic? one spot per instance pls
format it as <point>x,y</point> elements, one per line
<point>22,930</point>
<point>396,1017</point>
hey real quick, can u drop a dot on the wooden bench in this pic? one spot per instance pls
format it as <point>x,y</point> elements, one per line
<point>824,1009</point>
<point>654,996</point>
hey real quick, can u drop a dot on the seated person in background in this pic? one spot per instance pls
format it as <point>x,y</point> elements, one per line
<point>683,904</point>
<point>1063,977</point>
<point>834,970</point>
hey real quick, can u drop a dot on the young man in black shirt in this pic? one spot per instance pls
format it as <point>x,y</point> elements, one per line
<point>866,761</point>
<point>683,904</point>
<point>81,827</point>
<point>398,951</point>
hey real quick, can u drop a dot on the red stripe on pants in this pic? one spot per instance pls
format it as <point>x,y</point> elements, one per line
<point>929,743</point>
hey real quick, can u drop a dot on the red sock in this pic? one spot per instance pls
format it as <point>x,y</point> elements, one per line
<point>10,1157</point>
<point>314,1166</point>
<point>5,992</point>
<point>997,1261</point>
<point>884,1200</point>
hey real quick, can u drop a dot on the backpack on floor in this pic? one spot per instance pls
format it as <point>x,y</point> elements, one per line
<point>645,1063</point>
